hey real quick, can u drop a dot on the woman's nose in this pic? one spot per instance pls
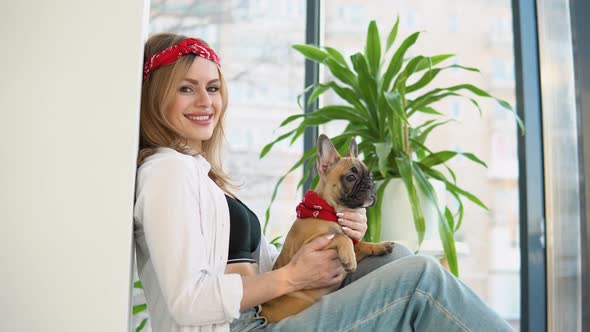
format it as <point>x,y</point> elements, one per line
<point>203,98</point>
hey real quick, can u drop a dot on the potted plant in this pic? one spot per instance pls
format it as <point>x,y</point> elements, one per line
<point>383,90</point>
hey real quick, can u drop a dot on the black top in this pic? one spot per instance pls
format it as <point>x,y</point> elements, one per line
<point>244,232</point>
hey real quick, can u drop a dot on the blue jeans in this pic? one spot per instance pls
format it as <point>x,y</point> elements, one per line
<point>413,293</point>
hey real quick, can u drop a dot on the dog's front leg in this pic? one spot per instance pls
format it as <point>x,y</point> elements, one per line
<point>364,249</point>
<point>345,248</point>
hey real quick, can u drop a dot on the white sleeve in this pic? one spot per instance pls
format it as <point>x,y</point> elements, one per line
<point>267,256</point>
<point>168,206</point>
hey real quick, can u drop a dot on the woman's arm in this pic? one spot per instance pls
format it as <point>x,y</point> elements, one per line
<point>311,267</point>
<point>195,292</point>
<point>170,210</point>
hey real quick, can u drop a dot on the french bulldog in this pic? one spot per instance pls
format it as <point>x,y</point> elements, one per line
<point>345,183</point>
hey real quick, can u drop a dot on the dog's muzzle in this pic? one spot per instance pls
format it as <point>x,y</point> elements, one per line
<point>362,192</point>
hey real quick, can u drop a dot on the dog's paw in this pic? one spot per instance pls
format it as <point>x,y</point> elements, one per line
<point>349,263</point>
<point>383,248</point>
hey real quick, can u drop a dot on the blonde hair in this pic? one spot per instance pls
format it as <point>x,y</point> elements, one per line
<point>157,94</point>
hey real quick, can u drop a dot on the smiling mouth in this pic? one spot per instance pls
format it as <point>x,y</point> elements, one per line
<point>199,118</point>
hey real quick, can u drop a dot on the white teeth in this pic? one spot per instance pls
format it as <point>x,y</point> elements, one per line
<point>198,118</point>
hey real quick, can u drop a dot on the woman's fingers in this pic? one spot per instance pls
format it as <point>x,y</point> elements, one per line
<point>353,234</point>
<point>353,222</point>
<point>356,215</point>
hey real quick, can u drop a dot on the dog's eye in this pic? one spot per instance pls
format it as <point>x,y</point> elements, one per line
<point>351,178</point>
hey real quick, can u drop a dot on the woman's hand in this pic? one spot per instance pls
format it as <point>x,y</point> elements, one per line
<point>353,222</point>
<point>313,267</point>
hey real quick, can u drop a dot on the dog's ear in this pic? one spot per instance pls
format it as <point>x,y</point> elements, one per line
<point>327,154</point>
<point>353,149</point>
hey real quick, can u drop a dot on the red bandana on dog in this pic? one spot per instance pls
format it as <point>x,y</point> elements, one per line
<point>313,206</point>
<point>169,55</point>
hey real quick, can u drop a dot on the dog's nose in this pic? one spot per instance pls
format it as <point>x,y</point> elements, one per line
<point>367,185</point>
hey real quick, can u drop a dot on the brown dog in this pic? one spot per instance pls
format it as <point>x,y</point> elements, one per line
<point>345,182</point>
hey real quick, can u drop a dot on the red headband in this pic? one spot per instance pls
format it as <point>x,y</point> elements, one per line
<point>169,55</point>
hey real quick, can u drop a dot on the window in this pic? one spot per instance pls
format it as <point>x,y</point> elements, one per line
<point>492,271</point>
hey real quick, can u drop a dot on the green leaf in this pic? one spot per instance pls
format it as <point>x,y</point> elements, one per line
<point>437,158</point>
<point>404,164</point>
<point>365,80</point>
<point>474,158</point>
<point>291,119</point>
<point>462,67</point>
<point>141,325</point>
<point>373,49</point>
<point>316,93</point>
<point>426,124</point>
<point>342,73</point>
<point>394,101</point>
<point>269,146</point>
<point>446,234</point>
<point>368,92</point>
<point>422,137</point>
<point>336,55</point>
<point>430,110</point>
<point>305,91</point>
<point>395,120</point>
<point>419,147</point>
<point>311,52</point>
<point>467,195</point>
<point>306,173</point>
<point>450,219</point>
<point>426,100</point>
<point>443,156</point>
<point>397,60</point>
<point>383,150</point>
<point>460,211</point>
<point>424,80</point>
<point>453,187</point>
<point>481,93</point>
<point>392,35</point>
<point>434,60</point>
<point>350,96</point>
<point>340,112</point>
<point>410,69</point>
<point>275,242</point>
<point>451,173</point>
<point>139,308</point>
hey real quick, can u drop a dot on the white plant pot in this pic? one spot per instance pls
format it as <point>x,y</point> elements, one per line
<point>397,220</point>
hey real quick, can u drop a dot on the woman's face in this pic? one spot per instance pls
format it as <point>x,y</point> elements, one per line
<point>196,105</point>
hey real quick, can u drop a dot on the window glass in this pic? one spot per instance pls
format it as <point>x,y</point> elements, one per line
<point>480,34</point>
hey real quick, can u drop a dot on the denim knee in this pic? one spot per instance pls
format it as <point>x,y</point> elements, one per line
<point>399,250</point>
<point>433,276</point>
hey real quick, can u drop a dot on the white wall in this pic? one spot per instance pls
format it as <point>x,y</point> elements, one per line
<point>69,98</point>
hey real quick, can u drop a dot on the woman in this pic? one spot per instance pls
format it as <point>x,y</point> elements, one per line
<point>202,259</point>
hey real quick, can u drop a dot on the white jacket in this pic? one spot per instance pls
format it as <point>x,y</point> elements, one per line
<point>182,224</point>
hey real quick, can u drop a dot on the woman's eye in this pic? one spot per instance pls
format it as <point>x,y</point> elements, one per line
<point>350,178</point>
<point>185,89</point>
<point>212,89</point>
